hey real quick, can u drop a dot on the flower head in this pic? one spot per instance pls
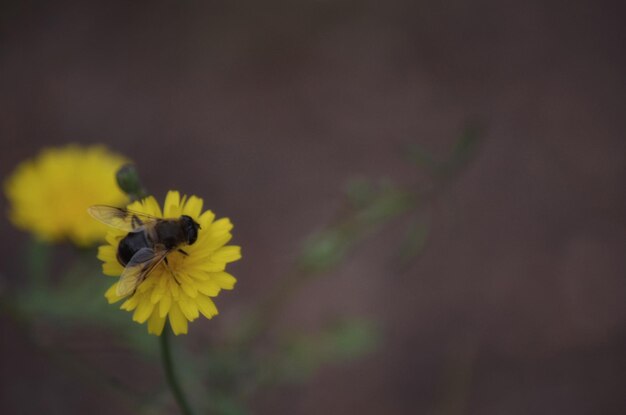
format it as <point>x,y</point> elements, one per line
<point>181,287</point>
<point>49,194</point>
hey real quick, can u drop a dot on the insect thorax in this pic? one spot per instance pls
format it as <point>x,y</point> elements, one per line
<point>169,233</point>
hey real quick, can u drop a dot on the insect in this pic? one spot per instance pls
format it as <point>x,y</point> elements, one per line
<point>147,244</point>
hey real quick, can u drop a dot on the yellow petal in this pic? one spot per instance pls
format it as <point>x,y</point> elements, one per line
<point>206,306</point>
<point>193,207</point>
<point>156,323</point>
<point>206,219</point>
<point>145,285</point>
<point>224,280</point>
<point>189,289</point>
<point>130,304</point>
<point>213,242</point>
<point>198,275</point>
<point>143,311</point>
<point>227,254</point>
<point>208,287</point>
<point>158,291</point>
<point>151,207</point>
<point>138,205</point>
<point>173,287</point>
<point>171,207</point>
<point>107,253</point>
<point>209,266</point>
<point>111,294</point>
<point>156,296</point>
<point>177,320</point>
<point>221,225</point>
<point>164,305</point>
<point>113,269</point>
<point>183,278</point>
<point>189,308</point>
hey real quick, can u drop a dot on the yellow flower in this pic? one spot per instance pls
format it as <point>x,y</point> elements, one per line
<point>49,195</point>
<point>183,291</point>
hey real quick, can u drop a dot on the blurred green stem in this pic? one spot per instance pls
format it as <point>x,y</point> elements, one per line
<point>324,252</point>
<point>266,311</point>
<point>38,263</point>
<point>172,381</point>
<point>328,248</point>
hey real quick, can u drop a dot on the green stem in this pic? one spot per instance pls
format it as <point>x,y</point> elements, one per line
<point>172,381</point>
<point>38,259</point>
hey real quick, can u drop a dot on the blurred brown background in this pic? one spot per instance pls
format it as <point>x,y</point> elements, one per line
<point>266,109</point>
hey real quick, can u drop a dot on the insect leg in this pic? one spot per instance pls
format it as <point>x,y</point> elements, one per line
<point>135,222</point>
<point>167,266</point>
<point>183,252</point>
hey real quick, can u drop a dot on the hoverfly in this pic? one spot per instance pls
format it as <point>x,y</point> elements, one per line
<point>148,242</point>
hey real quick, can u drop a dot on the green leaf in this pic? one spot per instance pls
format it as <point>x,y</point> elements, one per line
<point>418,155</point>
<point>463,151</point>
<point>415,240</point>
<point>324,250</point>
<point>360,192</point>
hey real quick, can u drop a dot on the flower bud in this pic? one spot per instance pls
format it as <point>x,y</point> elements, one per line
<point>128,180</point>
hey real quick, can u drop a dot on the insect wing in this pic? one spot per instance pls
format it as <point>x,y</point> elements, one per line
<point>124,219</point>
<point>137,269</point>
